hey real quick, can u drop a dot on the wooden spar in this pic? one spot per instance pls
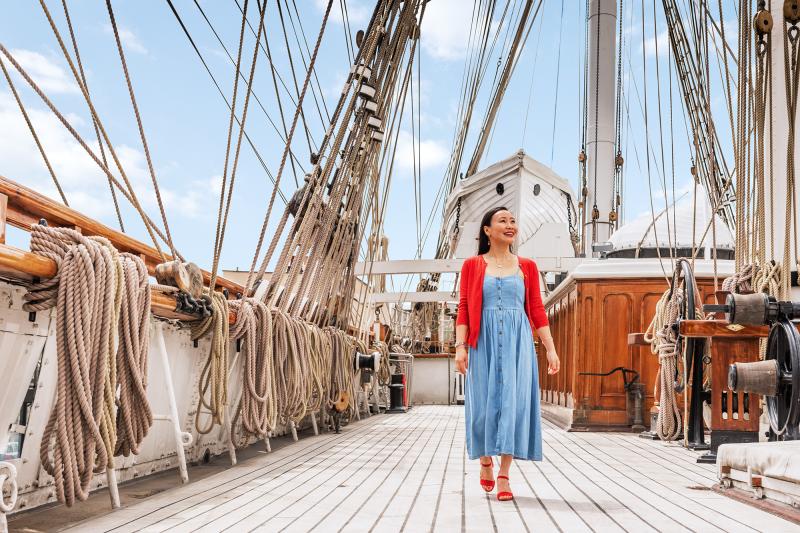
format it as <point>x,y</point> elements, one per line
<point>22,265</point>
<point>720,328</point>
<point>26,207</point>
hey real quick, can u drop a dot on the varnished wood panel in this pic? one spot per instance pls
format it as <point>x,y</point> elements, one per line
<point>590,324</point>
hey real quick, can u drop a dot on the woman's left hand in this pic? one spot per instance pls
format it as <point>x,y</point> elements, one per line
<point>553,363</point>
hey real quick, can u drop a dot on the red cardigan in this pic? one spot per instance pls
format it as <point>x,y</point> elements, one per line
<point>471,296</point>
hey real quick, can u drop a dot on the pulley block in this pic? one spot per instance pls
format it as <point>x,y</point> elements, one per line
<point>777,378</point>
<point>612,216</point>
<point>619,160</point>
<point>595,213</point>
<point>791,11</point>
<point>582,157</point>
<point>762,22</point>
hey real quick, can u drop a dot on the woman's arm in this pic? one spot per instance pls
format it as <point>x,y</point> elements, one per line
<point>462,321</point>
<point>462,331</point>
<point>542,325</point>
<point>553,362</point>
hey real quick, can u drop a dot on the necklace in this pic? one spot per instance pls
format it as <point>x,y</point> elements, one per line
<point>497,263</point>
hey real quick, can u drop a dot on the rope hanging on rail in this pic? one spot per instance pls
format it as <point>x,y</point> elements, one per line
<point>253,328</point>
<point>94,288</point>
<point>213,383</point>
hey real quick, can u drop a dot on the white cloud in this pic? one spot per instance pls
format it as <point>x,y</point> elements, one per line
<point>46,73</point>
<point>432,153</point>
<point>445,28</point>
<point>130,42</point>
<point>358,13</point>
<point>84,184</point>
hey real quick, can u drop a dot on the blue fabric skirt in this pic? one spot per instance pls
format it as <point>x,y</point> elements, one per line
<point>501,400</point>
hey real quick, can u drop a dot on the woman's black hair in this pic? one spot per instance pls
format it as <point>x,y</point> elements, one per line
<point>483,239</point>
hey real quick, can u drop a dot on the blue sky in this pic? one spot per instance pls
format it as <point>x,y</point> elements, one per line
<point>185,118</point>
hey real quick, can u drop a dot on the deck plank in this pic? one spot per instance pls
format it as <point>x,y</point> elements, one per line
<point>409,472</point>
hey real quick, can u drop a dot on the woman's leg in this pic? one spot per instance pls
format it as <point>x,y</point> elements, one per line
<point>505,466</point>
<point>487,467</point>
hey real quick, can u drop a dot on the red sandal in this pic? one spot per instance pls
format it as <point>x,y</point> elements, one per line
<point>505,495</point>
<point>487,484</point>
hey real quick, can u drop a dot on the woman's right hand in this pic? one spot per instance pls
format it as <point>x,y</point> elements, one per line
<point>461,360</point>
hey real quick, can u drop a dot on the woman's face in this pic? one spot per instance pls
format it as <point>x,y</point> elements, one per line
<point>503,228</point>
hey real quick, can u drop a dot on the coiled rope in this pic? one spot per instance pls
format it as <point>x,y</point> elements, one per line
<point>213,384</point>
<point>257,407</point>
<point>663,341</point>
<point>134,416</point>
<point>90,293</point>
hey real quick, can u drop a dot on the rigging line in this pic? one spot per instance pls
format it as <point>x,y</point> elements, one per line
<point>130,196</point>
<point>311,148</point>
<point>33,132</point>
<point>533,76</point>
<point>295,161</point>
<point>508,72</point>
<point>647,145</point>
<point>264,48</point>
<point>415,177</point>
<point>218,233</point>
<point>280,107</point>
<point>303,57</point>
<point>94,122</point>
<point>558,79</point>
<point>234,168</point>
<point>288,144</point>
<point>151,229</point>
<point>141,130</point>
<point>504,52</point>
<point>348,33</point>
<point>224,98</point>
<point>471,91</point>
<point>661,131</point>
<point>419,129</point>
<point>672,141</point>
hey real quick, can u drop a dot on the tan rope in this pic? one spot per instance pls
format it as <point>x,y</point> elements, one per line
<point>33,132</point>
<point>94,122</point>
<point>213,383</point>
<point>257,407</point>
<point>80,436</point>
<point>141,130</point>
<point>134,416</point>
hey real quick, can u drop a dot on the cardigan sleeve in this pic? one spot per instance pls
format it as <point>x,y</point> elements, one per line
<point>463,313</point>
<point>537,306</point>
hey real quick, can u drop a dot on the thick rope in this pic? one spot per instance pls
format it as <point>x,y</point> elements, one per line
<point>213,383</point>
<point>257,407</point>
<point>663,340</point>
<point>134,416</point>
<point>88,291</point>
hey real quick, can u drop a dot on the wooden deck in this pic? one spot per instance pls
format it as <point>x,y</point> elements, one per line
<point>409,472</point>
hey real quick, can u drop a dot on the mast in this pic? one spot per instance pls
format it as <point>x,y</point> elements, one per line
<point>600,120</point>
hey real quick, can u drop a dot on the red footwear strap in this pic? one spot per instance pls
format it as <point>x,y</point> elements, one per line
<point>502,477</point>
<point>490,464</point>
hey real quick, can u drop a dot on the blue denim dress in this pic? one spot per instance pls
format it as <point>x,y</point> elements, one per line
<point>502,384</point>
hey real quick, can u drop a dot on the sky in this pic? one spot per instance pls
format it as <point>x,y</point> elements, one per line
<point>185,118</point>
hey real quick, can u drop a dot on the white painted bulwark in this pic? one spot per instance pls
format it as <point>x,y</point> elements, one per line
<point>433,381</point>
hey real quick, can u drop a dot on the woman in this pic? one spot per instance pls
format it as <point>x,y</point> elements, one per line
<point>499,306</point>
